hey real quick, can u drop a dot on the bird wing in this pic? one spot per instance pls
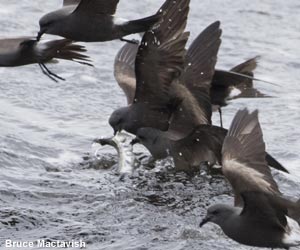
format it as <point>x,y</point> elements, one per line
<point>107,7</point>
<point>160,56</point>
<point>199,67</point>
<point>201,60</point>
<point>189,113</point>
<point>124,69</point>
<point>244,157</point>
<point>246,67</point>
<point>63,49</point>
<point>71,2</point>
<point>156,67</point>
<point>265,209</point>
<point>203,144</point>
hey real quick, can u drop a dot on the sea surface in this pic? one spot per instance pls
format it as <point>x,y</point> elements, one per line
<point>53,188</point>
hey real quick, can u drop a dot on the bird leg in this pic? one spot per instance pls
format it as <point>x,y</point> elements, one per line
<point>50,74</point>
<point>129,41</point>
<point>220,112</point>
<point>44,72</point>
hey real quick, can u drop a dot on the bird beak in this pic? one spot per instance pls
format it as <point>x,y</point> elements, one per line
<point>40,33</point>
<point>204,221</point>
<point>135,141</point>
<point>116,130</point>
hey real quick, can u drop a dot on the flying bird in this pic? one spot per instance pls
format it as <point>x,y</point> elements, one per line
<point>92,21</point>
<point>202,145</point>
<point>225,85</point>
<point>20,51</point>
<point>233,84</point>
<point>159,62</point>
<point>261,216</point>
<point>190,138</point>
<point>192,86</point>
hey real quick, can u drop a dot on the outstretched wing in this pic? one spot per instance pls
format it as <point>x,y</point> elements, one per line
<point>199,68</point>
<point>160,56</point>
<point>244,157</point>
<point>124,69</point>
<point>64,49</point>
<point>201,60</point>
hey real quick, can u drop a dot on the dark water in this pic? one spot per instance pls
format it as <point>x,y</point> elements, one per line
<point>52,188</point>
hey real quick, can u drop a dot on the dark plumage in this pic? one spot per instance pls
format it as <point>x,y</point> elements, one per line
<point>233,84</point>
<point>262,217</point>
<point>203,144</point>
<point>92,21</point>
<point>200,60</point>
<point>26,50</point>
<point>221,87</point>
<point>191,139</point>
<point>224,82</point>
<point>158,63</point>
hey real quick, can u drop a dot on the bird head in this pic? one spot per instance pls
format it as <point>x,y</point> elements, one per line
<point>217,214</point>
<point>53,22</point>
<point>119,120</point>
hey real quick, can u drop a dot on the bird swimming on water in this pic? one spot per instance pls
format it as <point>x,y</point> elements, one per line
<point>261,217</point>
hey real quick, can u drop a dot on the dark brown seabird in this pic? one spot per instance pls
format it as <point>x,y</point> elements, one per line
<point>233,84</point>
<point>26,50</point>
<point>159,61</point>
<point>190,138</point>
<point>261,216</point>
<point>225,85</point>
<point>92,21</point>
<point>192,86</point>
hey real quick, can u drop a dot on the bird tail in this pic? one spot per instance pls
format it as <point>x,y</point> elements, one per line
<point>141,25</point>
<point>64,49</point>
<point>272,162</point>
<point>167,11</point>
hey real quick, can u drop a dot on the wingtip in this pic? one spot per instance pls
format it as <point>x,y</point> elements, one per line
<point>66,49</point>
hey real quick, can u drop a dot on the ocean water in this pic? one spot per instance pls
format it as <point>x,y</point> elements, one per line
<point>51,186</point>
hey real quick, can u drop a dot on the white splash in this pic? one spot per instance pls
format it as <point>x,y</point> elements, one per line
<point>292,236</point>
<point>127,159</point>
